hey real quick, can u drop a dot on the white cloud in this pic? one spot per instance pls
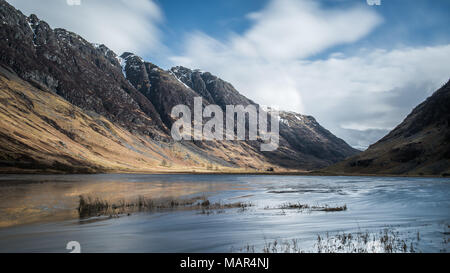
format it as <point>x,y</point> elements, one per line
<point>291,29</point>
<point>122,25</point>
<point>369,89</point>
<point>260,61</point>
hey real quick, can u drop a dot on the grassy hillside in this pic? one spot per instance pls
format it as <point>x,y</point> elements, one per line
<point>42,132</point>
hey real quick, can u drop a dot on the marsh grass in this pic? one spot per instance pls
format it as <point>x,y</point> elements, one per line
<point>218,208</point>
<point>384,241</point>
<point>90,206</point>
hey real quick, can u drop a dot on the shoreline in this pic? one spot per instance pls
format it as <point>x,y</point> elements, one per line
<point>199,172</point>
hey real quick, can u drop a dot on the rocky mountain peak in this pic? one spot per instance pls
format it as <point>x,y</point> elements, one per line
<point>210,87</point>
<point>108,53</point>
<point>129,55</point>
<point>33,20</point>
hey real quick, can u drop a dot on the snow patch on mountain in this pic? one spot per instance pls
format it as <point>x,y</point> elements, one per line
<point>123,65</point>
<point>178,79</point>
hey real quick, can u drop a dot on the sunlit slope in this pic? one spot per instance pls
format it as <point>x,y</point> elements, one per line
<point>40,131</point>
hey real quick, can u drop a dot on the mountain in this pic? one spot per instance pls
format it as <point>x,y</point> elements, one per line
<point>72,106</point>
<point>305,144</point>
<point>420,145</point>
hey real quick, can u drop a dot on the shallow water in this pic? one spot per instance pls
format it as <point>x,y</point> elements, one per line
<point>406,205</point>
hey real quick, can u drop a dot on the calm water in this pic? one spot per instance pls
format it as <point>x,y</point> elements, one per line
<point>406,205</point>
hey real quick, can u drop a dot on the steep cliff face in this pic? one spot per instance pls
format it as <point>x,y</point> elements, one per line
<point>125,94</point>
<point>420,145</point>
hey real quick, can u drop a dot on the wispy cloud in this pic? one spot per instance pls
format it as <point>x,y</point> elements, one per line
<point>122,25</point>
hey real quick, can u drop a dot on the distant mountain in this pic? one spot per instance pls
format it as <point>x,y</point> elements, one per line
<point>112,113</point>
<point>420,145</point>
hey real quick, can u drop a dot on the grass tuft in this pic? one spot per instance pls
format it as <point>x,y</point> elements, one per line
<point>384,241</point>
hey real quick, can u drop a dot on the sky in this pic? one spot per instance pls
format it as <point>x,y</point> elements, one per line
<point>359,69</point>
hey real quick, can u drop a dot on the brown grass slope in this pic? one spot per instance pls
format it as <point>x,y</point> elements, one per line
<point>420,145</point>
<point>42,132</point>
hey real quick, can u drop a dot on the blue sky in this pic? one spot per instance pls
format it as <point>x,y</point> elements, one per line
<point>215,18</point>
<point>406,22</point>
<point>358,69</point>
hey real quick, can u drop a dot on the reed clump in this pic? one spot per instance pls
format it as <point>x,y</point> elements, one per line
<point>90,206</point>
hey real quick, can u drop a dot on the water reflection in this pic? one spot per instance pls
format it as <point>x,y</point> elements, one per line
<point>408,205</point>
<point>28,199</point>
